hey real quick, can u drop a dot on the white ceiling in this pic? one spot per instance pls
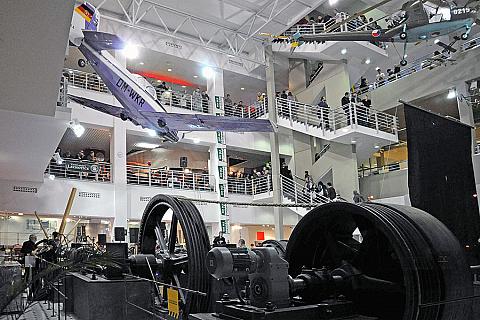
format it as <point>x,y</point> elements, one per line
<point>32,49</point>
<point>237,21</point>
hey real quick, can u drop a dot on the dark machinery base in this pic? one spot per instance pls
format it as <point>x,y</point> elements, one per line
<point>329,310</point>
<point>105,299</point>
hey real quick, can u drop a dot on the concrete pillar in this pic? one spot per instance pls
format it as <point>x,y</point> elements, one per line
<point>465,110</point>
<point>275,153</point>
<point>218,153</point>
<point>118,156</point>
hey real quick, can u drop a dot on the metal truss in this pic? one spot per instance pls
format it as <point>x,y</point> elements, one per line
<point>241,41</point>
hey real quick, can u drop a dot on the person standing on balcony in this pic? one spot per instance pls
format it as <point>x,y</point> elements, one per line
<point>197,99</point>
<point>365,112</point>
<point>323,108</point>
<point>228,101</point>
<point>331,192</point>
<point>346,106</point>
<point>205,101</point>
<point>284,95</point>
<point>322,189</point>
<point>380,78</point>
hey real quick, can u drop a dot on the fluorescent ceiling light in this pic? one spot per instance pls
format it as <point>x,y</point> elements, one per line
<point>77,128</point>
<point>169,70</point>
<point>141,63</point>
<point>146,145</point>
<point>367,61</point>
<point>451,94</point>
<point>207,72</point>
<point>195,76</point>
<point>242,88</point>
<point>131,51</point>
<point>343,51</point>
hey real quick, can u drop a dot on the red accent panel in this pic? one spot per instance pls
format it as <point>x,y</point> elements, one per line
<point>166,78</point>
<point>260,235</point>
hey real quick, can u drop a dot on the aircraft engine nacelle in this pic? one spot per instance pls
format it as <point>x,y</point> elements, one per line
<point>145,85</point>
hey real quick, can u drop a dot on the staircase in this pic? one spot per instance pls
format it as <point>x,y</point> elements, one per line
<point>295,193</point>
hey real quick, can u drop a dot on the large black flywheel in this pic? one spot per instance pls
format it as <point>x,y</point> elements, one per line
<point>409,261</point>
<point>180,265</point>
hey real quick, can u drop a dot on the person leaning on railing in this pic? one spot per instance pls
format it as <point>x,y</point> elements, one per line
<point>323,112</point>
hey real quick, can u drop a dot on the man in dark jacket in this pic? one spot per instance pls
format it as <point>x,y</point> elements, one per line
<point>29,246</point>
<point>323,109</point>
<point>332,193</point>
<point>346,106</point>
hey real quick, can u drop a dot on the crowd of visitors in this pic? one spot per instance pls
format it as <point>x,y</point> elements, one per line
<point>59,165</point>
<point>197,100</point>
<point>240,109</point>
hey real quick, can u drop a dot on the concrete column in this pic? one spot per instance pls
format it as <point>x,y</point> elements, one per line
<point>118,156</point>
<point>218,153</point>
<point>465,110</point>
<point>275,153</point>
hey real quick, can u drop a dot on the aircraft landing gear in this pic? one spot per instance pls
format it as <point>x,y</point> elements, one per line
<point>123,116</point>
<point>81,63</point>
<point>464,36</point>
<point>403,63</point>
<point>403,35</point>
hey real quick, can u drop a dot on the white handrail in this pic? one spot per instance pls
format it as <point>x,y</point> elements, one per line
<point>426,62</point>
<point>395,166</point>
<point>334,119</point>
<point>75,169</point>
<point>255,186</point>
<point>300,194</point>
<point>159,177</point>
<point>252,111</point>
<point>168,98</point>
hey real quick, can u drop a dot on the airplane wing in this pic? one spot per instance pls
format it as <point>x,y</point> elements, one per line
<point>203,122</point>
<point>375,35</point>
<point>102,107</point>
<point>182,122</point>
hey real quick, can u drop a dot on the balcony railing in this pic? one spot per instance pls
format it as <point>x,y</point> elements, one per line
<point>168,98</point>
<point>172,179</point>
<point>300,194</point>
<point>80,170</point>
<point>332,120</point>
<point>395,166</point>
<point>426,62</point>
<point>252,111</point>
<point>256,186</point>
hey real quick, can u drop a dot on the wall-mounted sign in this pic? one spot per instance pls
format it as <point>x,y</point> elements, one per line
<point>81,166</point>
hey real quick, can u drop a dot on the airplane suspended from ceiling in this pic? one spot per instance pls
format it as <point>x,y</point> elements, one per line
<point>418,20</point>
<point>135,93</point>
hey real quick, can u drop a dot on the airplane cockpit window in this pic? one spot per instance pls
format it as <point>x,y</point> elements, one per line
<point>436,13</point>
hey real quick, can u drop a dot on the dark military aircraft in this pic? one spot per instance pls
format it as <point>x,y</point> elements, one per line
<point>417,22</point>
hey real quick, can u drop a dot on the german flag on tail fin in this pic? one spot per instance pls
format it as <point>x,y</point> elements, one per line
<point>85,12</point>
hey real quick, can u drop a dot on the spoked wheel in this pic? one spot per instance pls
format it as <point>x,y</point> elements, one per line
<point>180,266</point>
<point>407,259</point>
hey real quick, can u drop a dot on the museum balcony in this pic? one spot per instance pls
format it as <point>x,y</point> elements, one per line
<point>422,64</point>
<point>169,179</point>
<point>95,171</point>
<point>79,81</point>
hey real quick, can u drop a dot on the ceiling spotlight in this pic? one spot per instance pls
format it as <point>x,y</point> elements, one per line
<point>196,140</point>
<point>343,51</point>
<point>169,70</point>
<point>51,177</point>
<point>354,141</point>
<point>151,132</point>
<point>184,87</point>
<point>141,63</point>
<point>332,2</point>
<point>77,128</point>
<point>242,88</point>
<point>451,94</point>
<point>159,81</point>
<point>146,145</point>
<point>130,51</point>
<point>20,213</point>
<point>367,61</point>
<point>405,56</point>
<point>436,41</point>
<point>195,76</point>
<point>207,72</point>
<point>377,147</point>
